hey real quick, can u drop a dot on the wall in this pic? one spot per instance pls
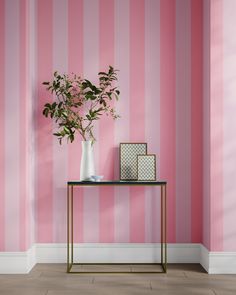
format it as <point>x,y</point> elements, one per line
<point>16,182</point>
<point>229,123</point>
<point>157,46</point>
<point>219,114</point>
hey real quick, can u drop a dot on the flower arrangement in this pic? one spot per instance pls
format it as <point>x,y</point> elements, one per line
<point>79,103</point>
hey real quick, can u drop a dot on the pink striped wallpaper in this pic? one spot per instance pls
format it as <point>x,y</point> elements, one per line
<point>219,121</point>
<point>168,63</point>
<point>155,45</point>
<point>148,42</point>
<point>16,208</point>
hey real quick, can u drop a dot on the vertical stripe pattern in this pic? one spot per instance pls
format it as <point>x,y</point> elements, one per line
<point>12,120</point>
<point>229,123</point>
<point>196,119</point>
<point>24,124</point>
<point>137,110</point>
<point>183,121</point>
<point>106,125</point>
<point>152,118</point>
<point>206,124</point>
<point>60,175</point>
<point>91,68</point>
<point>75,65</point>
<point>2,122</point>
<point>15,205</point>
<point>167,106</point>
<point>121,134</point>
<point>44,157</point>
<point>216,136</point>
<point>170,54</point>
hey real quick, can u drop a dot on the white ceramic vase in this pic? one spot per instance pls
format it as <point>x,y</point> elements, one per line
<point>87,161</point>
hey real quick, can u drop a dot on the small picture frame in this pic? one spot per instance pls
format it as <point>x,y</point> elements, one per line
<point>128,159</point>
<point>146,167</point>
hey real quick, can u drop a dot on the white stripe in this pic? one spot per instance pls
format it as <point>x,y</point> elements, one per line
<point>229,149</point>
<point>183,121</point>
<point>60,64</point>
<point>12,123</point>
<point>91,68</point>
<point>152,112</point>
<point>121,130</point>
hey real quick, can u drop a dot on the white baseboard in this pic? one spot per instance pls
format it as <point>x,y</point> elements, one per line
<point>218,262</point>
<point>101,252</point>
<point>204,258</point>
<point>23,262</point>
<point>17,262</point>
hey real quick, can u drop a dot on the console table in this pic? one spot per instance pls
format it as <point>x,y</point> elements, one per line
<point>70,227</point>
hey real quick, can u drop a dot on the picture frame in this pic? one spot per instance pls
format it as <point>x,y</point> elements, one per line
<point>128,159</point>
<point>146,166</point>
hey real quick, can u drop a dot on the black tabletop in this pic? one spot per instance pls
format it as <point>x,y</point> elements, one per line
<point>115,182</point>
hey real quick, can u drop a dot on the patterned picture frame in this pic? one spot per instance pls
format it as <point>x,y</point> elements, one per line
<point>128,159</point>
<point>146,166</point>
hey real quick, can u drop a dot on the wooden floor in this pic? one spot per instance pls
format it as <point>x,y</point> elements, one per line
<point>181,279</point>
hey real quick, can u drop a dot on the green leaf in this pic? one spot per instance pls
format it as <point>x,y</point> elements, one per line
<point>47,105</point>
<point>71,137</point>
<point>67,130</point>
<point>116,96</point>
<point>45,112</point>
<point>102,73</point>
<point>54,105</point>
<point>64,114</point>
<point>88,117</point>
<point>57,134</point>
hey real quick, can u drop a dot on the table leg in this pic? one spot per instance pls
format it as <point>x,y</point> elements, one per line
<point>165,228</point>
<point>68,228</point>
<point>162,225</point>
<point>72,224</point>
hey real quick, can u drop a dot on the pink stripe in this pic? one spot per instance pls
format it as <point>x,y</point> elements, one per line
<point>197,118</point>
<point>2,120</point>
<point>216,116</point>
<point>24,97</point>
<point>137,110</point>
<point>152,118</point>
<point>206,124</point>
<point>106,125</point>
<point>168,107</point>
<point>121,210</point>
<point>91,68</point>
<point>183,121</point>
<point>229,119</point>
<point>44,126</point>
<point>31,119</point>
<point>75,65</point>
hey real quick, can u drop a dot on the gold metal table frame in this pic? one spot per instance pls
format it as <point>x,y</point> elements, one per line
<point>70,226</point>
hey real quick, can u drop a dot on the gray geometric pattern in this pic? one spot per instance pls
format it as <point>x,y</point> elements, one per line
<point>147,167</point>
<point>128,159</point>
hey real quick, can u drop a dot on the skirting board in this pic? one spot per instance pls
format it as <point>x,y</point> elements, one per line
<point>17,262</point>
<point>115,253</point>
<point>218,262</point>
<point>23,262</point>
